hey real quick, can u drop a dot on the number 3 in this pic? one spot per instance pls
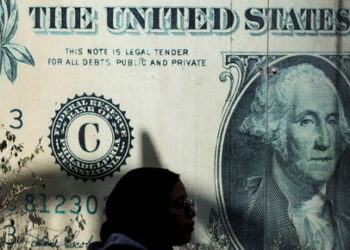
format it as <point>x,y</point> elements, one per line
<point>11,235</point>
<point>17,118</point>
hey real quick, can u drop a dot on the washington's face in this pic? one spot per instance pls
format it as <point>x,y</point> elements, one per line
<point>313,133</point>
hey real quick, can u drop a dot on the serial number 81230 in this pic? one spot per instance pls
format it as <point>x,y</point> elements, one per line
<point>60,204</point>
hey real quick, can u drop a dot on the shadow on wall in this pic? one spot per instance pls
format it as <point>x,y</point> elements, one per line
<point>58,206</point>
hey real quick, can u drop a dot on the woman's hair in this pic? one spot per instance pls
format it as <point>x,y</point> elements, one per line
<point>138,206</point>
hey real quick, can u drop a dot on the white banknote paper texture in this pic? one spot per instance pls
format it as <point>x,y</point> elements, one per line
<point>247,100</point>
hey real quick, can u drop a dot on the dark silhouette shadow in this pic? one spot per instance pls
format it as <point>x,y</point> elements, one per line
<point>148,206</point>
<point>57,206</point>
<point>149,153</point>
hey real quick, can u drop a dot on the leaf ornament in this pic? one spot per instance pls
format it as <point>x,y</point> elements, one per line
<point>11,53</point>
<point>20,53</point>
<point>11,26</point>
<point>1,21</point>
<point>1,56</point>
<point>10,65</point>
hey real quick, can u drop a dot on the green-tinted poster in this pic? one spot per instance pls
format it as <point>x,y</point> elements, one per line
<point>246,100</point>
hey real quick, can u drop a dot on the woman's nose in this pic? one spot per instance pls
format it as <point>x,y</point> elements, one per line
<point>190,210</point>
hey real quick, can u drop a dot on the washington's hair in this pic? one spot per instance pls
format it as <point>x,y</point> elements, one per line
<point>270,106</point>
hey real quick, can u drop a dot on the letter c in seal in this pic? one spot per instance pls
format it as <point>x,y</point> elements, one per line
<point>91,139</point>
<point>82,137</point>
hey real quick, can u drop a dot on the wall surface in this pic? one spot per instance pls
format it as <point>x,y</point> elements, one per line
<point>247,100</point>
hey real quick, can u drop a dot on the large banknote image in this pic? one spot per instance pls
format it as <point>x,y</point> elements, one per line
<point>283,152</point>
<point>248,101</point>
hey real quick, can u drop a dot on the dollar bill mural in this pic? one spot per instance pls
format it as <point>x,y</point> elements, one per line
<point>246,100</point>
<point>291,124</point>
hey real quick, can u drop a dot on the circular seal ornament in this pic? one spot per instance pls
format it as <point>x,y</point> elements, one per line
<point>90,137</point>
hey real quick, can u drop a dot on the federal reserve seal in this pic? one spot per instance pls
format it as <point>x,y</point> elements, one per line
<point>90,137</point>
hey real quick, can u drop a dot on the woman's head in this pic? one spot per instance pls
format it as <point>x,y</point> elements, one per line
<point>140,206</point>
<point>181,215</point>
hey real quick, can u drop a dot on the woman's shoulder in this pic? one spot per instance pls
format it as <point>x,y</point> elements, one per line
<point>117,241</point>
<point>122,247</point>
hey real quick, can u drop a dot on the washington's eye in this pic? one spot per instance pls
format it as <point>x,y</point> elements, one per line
<point>306,122</point>
<point>332,121</point>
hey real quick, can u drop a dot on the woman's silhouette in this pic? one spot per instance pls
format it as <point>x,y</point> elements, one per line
<point>147,209</point>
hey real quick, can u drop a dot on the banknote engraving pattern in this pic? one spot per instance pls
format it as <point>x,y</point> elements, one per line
<point>11,53</point>
<point>287,136</point>
<point>90,137</point>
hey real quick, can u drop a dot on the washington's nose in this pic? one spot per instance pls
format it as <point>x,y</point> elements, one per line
<point>323,141</point>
